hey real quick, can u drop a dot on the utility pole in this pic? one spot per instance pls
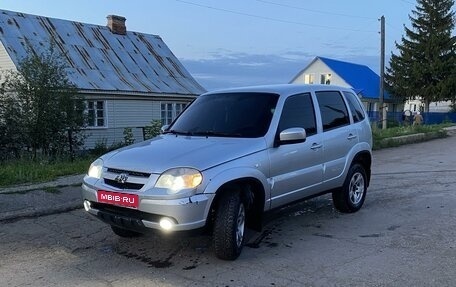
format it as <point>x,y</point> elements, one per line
<point>382,106</point>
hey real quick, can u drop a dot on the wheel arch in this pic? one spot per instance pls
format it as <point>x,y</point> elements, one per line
<point>253,195</point>
<point>364,158</point>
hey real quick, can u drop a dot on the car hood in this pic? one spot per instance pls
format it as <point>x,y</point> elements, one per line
<point>169,151</point>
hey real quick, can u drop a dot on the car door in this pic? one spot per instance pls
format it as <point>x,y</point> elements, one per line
<point>296,168</point>
<point>339,136</point>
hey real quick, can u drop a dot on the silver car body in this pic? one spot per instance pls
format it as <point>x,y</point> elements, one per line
<point>287,173</point>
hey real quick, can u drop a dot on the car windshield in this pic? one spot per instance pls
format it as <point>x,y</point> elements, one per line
<point>227,115</point>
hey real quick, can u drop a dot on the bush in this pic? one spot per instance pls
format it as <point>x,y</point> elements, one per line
<point>153,130</point>
<point>128,136</point>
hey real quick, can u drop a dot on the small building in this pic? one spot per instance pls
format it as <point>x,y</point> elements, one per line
<point>434,107</point>
<point>128,78</point>
<point>360,78</point>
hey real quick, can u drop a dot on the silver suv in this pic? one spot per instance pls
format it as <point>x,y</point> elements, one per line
<point>231,156</point>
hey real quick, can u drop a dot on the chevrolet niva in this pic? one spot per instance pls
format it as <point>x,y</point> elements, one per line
<point>230,156</point>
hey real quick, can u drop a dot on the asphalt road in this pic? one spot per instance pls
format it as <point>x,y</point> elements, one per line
<point>403,236</point>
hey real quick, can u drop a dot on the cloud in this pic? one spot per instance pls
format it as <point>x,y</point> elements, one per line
<point>224,68</point>
<point>231,69</point>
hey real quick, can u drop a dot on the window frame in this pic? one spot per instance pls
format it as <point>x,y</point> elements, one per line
<point>320,107</point>
<point>309,78</point>
<point>96,117</point>
<point>325,78</point>
<point>171,115</point>
<point>354,106</point>
<point>312,108</point>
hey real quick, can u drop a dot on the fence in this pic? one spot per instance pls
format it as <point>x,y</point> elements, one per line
<point>398,118</point>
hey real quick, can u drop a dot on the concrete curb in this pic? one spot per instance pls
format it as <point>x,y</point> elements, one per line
<point>408,139</point>
<point>59,182</point>
<point>35,212</point>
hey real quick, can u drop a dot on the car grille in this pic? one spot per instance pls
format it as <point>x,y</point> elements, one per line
<point>134,180</point>
<point>129,172</point>
<point>126,185</point>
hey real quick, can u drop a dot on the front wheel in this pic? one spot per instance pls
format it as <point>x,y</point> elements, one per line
<point>229,226</point>
<point>351,196</point>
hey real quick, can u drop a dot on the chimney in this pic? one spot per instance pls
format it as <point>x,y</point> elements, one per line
<point>117,24</point>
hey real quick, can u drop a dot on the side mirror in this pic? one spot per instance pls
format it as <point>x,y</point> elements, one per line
<point>164,128</point>
<point>292,135</point>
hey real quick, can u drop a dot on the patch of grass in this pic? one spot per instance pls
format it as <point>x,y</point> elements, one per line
<point>379,135</point>
<point>28,171</point>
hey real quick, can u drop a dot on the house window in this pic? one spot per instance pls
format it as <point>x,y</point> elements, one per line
<point>325,79</point>
<point>309,78</point>
<point>170,111</point>
<point>96,114</point>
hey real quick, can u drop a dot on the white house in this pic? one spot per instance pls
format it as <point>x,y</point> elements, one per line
<point>434,107</point>
<point>360,78</point>
<point>128,78</point>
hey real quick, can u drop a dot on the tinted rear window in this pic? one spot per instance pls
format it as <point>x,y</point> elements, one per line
<point>334,112</point>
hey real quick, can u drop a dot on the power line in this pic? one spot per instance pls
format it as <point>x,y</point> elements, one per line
<point>315,11</point>
<point>273,19</point>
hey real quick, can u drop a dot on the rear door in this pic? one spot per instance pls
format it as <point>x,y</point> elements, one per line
<point>297,169</point>
<point>339,136</point>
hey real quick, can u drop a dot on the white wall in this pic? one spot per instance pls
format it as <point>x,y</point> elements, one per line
<point>317,68</point>
<point>121,114</point>
<point>124,113</point>
<point>5,61</point>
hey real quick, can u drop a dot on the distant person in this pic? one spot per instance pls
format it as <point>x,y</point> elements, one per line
<point>406,117</point>
<point>417,119</point>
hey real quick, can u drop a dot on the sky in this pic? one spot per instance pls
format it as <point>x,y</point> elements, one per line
<point>247,42</point>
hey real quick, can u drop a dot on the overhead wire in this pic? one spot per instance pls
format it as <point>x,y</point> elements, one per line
<point>272,19</point>
<point>315,11</point>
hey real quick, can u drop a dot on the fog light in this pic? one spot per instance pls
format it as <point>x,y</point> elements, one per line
<point>86,205</point>
<point>166,223</point>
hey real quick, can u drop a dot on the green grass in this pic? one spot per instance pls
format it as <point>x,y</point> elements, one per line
<point>28,171</point>
<point>379,135</point>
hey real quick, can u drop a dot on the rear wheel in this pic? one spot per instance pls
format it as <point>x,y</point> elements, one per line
<point>351,196</point>
<point>124,232</point>
<point>229,226</point>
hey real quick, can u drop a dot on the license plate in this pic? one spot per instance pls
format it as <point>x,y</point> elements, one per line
<point>117,198</point>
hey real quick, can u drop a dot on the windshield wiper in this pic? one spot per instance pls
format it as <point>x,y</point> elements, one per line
<point>175,132</point>
<point>216,134</point>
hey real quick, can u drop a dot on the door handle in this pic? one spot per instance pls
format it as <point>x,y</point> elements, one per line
<point>316,146</point>
<point>351,136</point>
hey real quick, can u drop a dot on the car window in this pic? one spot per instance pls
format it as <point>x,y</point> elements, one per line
<point>228,114</point>
<point>355,107</point>
<point>334,112</point>
<point>298,112</point>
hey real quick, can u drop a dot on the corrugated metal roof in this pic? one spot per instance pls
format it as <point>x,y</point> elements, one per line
<point>97,58</point>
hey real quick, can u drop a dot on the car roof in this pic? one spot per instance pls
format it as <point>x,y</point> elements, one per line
<point>282,89</point>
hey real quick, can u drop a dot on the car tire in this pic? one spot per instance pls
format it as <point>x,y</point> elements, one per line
<point>351,196</point>
<point>229,226</point>
<point>124,232</point>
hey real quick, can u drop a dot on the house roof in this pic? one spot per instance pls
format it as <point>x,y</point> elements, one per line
<point>97,59</point>
<point>361,78</point>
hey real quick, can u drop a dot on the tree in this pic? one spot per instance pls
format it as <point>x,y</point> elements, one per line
<point>425,66</point>
<point>41,109</point>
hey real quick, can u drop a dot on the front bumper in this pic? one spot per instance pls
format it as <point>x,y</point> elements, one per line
<point>187,213</point>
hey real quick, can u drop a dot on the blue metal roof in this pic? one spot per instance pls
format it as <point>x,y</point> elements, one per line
<point>97,59</point>
<point>363,80</point>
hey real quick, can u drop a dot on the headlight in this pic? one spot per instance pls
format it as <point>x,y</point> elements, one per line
<point>95,169</point>
<point>177,179</point>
